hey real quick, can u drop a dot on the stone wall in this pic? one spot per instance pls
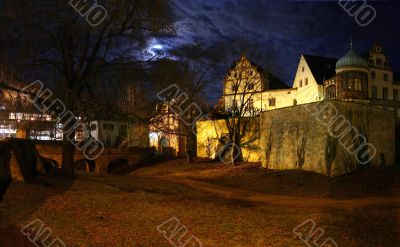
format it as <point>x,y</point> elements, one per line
<point>101,164</point>
<point>298,137</point>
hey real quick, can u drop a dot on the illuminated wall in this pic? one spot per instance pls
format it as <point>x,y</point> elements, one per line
<point>209,133</point>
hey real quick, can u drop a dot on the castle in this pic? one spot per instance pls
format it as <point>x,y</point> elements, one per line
<point>360,90</point>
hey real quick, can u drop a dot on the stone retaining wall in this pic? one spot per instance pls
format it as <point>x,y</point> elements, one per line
<point>299,137</point>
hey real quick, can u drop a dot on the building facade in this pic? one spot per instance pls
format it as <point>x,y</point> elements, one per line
<point>369,79</point>
<point>363,89</point>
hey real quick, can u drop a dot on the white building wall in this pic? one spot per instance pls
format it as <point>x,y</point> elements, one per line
<point>308,90</point>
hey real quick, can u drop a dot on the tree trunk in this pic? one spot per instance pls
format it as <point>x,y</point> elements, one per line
<point>190,153</point>
<point>68,145</point>
<point>233,151</point>
<point>236,152</point>
<point>68,153</point>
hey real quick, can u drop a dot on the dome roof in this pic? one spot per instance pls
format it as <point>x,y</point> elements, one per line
<point>352,59</point>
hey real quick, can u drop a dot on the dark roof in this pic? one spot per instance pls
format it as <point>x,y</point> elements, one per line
<point>273,82</point>
<point>322,68</point>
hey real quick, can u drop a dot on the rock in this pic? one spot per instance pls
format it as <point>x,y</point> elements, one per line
<point>5,173</point>
<point>15,168</point>
<point>40,166</point>
<point>23,160</point>
<point>3,188</point>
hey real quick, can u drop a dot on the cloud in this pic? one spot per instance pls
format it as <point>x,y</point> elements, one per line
<point>284,28</point>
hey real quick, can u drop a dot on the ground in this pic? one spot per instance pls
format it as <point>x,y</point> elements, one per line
<point>219,204</point>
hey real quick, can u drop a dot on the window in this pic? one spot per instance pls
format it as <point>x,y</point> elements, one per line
<point>385,93</point>
<point>108,126</point>
<point>357,85</point>
<point>301,83</point>
<point>272,102</point>
<point>235,104</point>
<point>234,88</point>
<point>123,130</point>
<point>350,84</point>
<point>385,77</point>
<point>374,92</point>
<point>379,61</point>
<point>373,74</point>
<point>331,92</point>
<point>250,104</point>
<point>302,69</point>
<point>250,86</point>
<point>251,73</point>
<point>395,94</point>
<point>371,61</point>
<point>306,81</point>
<point>93,127</point>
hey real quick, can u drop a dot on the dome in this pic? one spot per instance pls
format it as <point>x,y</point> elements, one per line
<point>352,59</point>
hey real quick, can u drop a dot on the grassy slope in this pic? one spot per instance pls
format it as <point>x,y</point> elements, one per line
<point>368,182</point>
<point>126,210</point>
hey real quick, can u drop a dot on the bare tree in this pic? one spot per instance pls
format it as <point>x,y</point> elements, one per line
<point>76,53</point>
<point>243,87</point>
<point>245,82</point>
<point>192,75</point>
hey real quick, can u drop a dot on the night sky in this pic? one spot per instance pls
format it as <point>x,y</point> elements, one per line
<point>283,29</point>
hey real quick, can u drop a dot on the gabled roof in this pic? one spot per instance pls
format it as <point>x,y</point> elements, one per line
<point>273,82</point>
<point>270,81</point>
<point>322,68</point>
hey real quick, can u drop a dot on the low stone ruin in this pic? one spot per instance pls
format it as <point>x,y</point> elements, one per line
<point>19,161</point>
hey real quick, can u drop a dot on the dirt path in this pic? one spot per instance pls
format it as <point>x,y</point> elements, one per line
<point>251,196</point>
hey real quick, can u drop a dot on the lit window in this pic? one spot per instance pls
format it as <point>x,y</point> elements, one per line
<point>235,104</point>
<point>272,102</point>
<point>250,104</point>
<point>350,84</point>
<point>357,85</point>
<point>235,88</point>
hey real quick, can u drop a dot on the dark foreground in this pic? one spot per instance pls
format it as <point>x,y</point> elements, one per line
<point>219,205</point>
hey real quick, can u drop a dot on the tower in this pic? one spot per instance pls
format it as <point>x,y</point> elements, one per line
<point>351,76</point>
